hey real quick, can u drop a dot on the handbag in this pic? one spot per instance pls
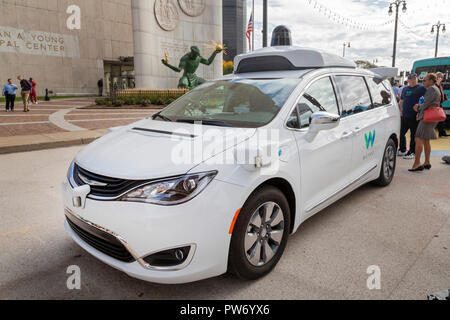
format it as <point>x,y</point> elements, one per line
<point>434,114</point>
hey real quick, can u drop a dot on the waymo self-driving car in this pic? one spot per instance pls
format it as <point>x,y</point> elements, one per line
<point>219,179</point>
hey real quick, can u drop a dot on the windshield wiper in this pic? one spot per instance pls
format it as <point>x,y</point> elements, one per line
<point>206,122</point>
<point>159,115</point>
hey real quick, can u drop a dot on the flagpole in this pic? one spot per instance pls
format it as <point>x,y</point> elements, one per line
<point>253,33</point>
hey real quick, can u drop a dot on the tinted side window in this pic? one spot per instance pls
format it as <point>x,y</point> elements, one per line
<point>381,92</point>
<point>355,96</point>
<point>320,96</point>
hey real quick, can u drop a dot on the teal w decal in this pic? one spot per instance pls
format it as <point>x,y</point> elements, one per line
<point>370,139</point>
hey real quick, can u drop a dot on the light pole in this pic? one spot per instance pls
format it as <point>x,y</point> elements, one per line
<point>345,45</point>
<point>438,27</point>
<point>265,31</point>
<point>397,4</point>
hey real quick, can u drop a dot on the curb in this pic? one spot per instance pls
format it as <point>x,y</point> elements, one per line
<point>10,145</point>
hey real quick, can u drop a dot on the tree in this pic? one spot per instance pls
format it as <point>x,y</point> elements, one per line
<point>363,64</point>
<point>228,67</point>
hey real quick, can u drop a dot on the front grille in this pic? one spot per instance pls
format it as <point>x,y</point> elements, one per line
<point>111,187</point>
<point>100,240</point>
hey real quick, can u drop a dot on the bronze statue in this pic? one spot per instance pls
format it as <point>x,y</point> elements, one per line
<point>189,63</point>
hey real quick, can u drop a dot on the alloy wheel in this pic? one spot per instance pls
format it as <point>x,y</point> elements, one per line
<point>389,162</point>
<point>264,234</point>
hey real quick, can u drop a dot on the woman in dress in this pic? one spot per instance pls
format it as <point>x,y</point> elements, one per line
<point>426,131</point>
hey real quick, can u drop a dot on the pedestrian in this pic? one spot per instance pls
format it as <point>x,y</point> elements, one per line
<point>405,84</point>
<point>410,97</point>
<point>33,95</point>
<point>100,87</point>
<point>26,89</point>
<point>9,91</point>
<point>426,131</point>
<point>396,90</point>
<point>441,125</point>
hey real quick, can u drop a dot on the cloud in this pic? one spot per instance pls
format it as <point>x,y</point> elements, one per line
<point>311,28</point>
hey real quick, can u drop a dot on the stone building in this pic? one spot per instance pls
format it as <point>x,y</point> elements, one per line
<point>41,39</point>
<point>67,46</point>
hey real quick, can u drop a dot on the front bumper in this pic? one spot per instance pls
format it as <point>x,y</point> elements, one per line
<point>202,223</point>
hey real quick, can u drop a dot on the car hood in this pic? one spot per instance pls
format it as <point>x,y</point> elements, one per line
<point>151,149</point>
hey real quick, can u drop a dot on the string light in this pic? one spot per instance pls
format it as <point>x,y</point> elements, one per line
<point>337,18</point>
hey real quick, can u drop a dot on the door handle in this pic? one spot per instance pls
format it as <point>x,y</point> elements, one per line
<point>357,130</point>
<point>347,135</point>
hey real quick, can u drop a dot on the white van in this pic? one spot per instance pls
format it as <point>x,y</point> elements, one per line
<point>141,200</point>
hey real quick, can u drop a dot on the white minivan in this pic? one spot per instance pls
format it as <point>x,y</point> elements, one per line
<point>219,179</point>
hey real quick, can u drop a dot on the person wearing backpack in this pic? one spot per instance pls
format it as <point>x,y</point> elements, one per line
<point>26,90</point>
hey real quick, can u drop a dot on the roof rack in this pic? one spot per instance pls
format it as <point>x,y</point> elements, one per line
<point>284,58</point>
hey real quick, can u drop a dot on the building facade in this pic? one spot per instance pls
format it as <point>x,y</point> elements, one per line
<point>67,46</point>
<point>234,27</point>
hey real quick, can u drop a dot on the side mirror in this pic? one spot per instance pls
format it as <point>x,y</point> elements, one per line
<point>323,121</point>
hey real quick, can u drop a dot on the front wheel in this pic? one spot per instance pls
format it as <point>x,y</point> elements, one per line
<point>388,166</point>
<point>260,234</point>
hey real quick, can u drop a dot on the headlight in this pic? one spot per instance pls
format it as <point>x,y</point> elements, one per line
<point>173,191</point>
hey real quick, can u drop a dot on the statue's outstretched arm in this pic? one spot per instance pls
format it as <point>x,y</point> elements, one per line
<point>211,59</point>
<point>179,69</point>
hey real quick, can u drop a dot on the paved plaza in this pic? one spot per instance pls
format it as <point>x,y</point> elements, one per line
<point>60,123</point>
<point>64,116</point>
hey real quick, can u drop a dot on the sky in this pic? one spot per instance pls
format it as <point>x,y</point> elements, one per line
<point>313,25</point>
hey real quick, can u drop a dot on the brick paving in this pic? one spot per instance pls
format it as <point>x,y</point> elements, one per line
<point>37,120</point>
<point>25,130</point>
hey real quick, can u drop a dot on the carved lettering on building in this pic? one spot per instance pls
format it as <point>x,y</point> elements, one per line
<point>38,43</point>
<point>74,20</point>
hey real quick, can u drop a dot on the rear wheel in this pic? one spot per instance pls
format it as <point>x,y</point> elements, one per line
<point>260,234</point>
<point>388,166</point>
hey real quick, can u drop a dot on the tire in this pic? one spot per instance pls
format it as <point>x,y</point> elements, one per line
<point>270,237</point>
<point>388,165</point>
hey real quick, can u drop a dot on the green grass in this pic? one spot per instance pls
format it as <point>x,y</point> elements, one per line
<point>3,99</point>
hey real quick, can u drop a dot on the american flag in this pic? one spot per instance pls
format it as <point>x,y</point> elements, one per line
<point>249,32</point>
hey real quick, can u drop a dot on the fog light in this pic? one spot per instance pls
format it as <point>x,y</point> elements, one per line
<point>168,258</point>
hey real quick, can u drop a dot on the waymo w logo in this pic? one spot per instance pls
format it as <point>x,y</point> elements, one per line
<point>370,139</point>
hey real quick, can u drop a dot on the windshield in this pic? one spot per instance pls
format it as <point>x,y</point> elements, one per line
<point>247,103</point>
